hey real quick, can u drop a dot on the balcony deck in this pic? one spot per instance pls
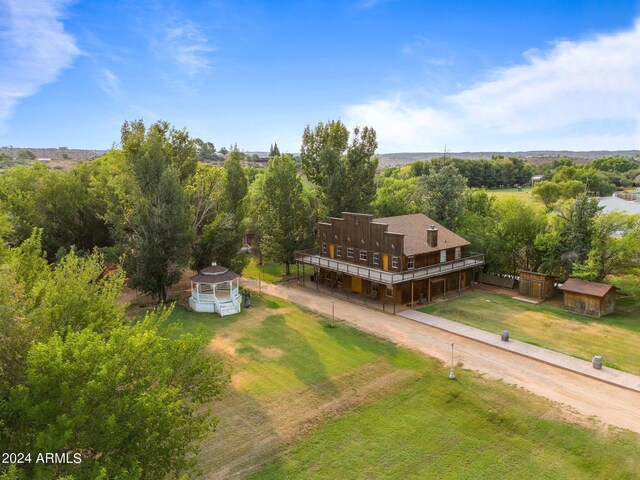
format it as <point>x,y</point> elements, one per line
<point>390,278</point>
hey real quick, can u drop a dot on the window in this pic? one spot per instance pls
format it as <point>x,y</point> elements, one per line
<point>443,256</point>
<point>350,252</point>
<point>411,262</point>
<point>389,291</point>
<point>339,250</point>
<point>324,248</point>
<point>458,253</point>
<point>363,255</point>
<point>327,274</point>
<point>394,262</point>
<point>376,258</point>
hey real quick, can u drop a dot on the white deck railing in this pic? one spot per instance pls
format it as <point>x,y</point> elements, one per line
<point>390,278</point>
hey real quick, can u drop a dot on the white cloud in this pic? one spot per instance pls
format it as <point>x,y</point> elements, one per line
<point>576,95</point>
<point>34,48</point>
<point>188,46</point>
<point>110,83</point>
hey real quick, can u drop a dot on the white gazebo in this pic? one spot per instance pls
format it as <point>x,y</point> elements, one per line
<point>215,289</point>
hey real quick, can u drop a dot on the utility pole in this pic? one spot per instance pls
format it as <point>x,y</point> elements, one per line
<point>452,375</point>
<point>333,313</point>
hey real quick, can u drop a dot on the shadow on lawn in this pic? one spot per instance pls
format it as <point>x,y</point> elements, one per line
<point>298,355</point>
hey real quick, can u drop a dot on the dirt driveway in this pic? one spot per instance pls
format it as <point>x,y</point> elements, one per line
<point>578,394</point>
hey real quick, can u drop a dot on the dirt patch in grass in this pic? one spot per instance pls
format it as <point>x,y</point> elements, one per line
<point>253,429</point>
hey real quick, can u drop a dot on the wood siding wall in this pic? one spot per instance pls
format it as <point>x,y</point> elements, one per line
<point>536,285</point>
<point>357,231</point>
<point>589,304</point>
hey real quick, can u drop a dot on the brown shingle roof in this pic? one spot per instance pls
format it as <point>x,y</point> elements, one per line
<point>222,277</point>
<point>213,269</point>
<point>587,288</point>
<point>414,227</point>
<point>214,273</point>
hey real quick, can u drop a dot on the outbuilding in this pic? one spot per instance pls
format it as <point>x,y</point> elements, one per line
<point>538,286</point>
<point>588,298</point>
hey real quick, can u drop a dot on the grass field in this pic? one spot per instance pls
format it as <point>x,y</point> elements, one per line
<point>615,336</point>
<point>269,272</point>
<point>311,401</point>
<point>524,194</point>
<point>510,191</point>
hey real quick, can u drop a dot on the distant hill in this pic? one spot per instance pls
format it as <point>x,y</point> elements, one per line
<point>386,159</point>
<point>60,153</point>
<point>534,156</point>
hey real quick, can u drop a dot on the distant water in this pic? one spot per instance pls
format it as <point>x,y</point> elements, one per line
<point>614,203</point>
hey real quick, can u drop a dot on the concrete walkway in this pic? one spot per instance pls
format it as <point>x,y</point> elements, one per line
<point>588,398</point>
<point>550,357</point>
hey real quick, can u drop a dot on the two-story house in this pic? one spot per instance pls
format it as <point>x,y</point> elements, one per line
<point>403,259</point>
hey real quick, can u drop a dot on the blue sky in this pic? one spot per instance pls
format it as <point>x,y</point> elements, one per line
<point>471,75</point>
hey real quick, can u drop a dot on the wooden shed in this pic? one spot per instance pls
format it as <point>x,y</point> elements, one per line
<point>588,298</point>
<point>536,285</point>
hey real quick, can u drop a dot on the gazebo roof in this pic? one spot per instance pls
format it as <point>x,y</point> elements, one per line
<point>214,273</point>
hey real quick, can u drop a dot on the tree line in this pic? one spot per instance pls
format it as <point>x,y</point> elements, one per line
<point>156,207</point>
<point>150,208</point>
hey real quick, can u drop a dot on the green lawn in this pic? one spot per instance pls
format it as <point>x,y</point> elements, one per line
<point>616,336</point>
<point>311,401</point>
<point>464,429</point>
<point>524,194</point>
<point>270,272</point>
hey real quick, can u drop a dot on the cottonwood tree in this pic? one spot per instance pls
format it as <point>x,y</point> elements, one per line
<point>342,171</point>
<point>218,197</point>
<point>568,238</point>
<point>439,195</point>
<point>283,212</point>
<point>615,247</point>
<point>77,375</point>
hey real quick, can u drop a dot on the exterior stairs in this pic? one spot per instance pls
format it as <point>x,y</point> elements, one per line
<point>228,308</point>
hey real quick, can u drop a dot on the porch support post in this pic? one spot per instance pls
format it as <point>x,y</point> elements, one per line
<point>429,292</point>
<point>412,294</point>
<point>459,282</point>
<point>393,289</point>
<point>364,294</point>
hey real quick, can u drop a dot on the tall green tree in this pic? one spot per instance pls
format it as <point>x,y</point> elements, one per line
<point>439,195</point>
<point>284,213</point>
<point>394,196</point>
<point>568,239</point>
<point>274,150</point>
<point>615,247</point>
<point>235,185</point>
<point>160,225</point>
<point>77,375</point>
<point>62,204</point>
<point>343,172</point>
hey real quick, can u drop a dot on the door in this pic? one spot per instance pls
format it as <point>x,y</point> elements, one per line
<point>385,263</point>
<point>332,251</point>
<point>537,291</point>
<point>356,284</point>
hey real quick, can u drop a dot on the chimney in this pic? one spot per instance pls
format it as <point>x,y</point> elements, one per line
<point>432,236</point>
